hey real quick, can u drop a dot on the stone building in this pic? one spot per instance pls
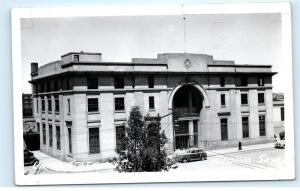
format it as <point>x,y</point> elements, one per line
<point>81,103</point>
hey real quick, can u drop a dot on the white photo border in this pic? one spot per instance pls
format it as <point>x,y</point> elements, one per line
<point>146,177</point>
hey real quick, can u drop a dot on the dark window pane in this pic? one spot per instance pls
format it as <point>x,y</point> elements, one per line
<point>222,81</point>
<point>261,98</point>
<point>56,104</point>
<point>76,58</point>
<point>94,143</point>
<point>44,134</point>
<point>92,104</point>
<point>150,82</point>
<point>262,125</point>
<point>58,146</point>
<point>151,102</point>
<point>50,136</point>
<point>70,139</point>
<point>49,105</point>
<point>119,104</point>
<point>282,113</point>
<point>245,124</point>
<point>43,104</point>
<point>223,101</point>
<point>182,128</point>
<point>224,129</point>
<point>244,81</point>
<point>119,82</point>
<point>244,99</point>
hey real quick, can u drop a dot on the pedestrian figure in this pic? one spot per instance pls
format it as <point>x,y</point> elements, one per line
<point>240,145</point>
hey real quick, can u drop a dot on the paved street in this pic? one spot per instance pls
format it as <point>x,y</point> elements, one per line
<point>256,157</point>
<point>264,158</point>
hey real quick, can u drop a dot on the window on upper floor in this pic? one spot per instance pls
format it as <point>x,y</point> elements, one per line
<point>93,105</point>
<point>261,81</point>
<point>150,82</point>
<point>49,104</point>
<point>119,104</point>
<point>119,82</point>
<point>92,83</point>
<point>222,81</point>
<point>151,102</point>
<point>244,99</point>
<point>56,98</point>
<point>56,85</point>
<point>43,104</point>
<point>48,86</point>
<point>223,101</point>
<point>244,81</point>
<point>133,81</point>
<point>282,113</point>
<point>261,98</point>
<point>76,58</point>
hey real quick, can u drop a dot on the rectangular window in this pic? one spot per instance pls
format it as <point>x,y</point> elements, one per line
<point>222,81</point>
<point>42,87</point>
<point>224,129</point>
<point>76,58</point>
<point>282,113</point>
<point>223,101</point>
<point>119,104</point>
<point>92,83</point>
<point>151,102</point>
<point>261,81</point>
<point>182,128</point>
<point>94,143</point>
<point>245,124</point>
<point>244,81</point>
<point>70,140</point>
<point>49,105</point>
<point>244,99</point>
<point>56,98</point>
<point>69,106</point>
<point>44,134</point>
<point>92,104</point>
<point>50,136</point>
<point>120,134</point>
<point>150,82</point>
<point>43,104</point>
<point>262,125</point>
<point>38,127</point>
<point>58,146</point>
<point>261,98</point>
<point>119,82</point>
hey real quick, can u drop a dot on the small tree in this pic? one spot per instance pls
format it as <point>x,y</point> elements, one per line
<point>143,145</point>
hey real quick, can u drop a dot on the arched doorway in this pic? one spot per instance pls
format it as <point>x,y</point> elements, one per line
<point>187,105</point>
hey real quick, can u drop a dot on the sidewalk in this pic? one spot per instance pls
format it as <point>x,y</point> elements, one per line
<point>52,164</point>
<point>235,149</point>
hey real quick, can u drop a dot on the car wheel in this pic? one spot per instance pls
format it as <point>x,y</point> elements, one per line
<point>184,160</point>
<point>205,158</point>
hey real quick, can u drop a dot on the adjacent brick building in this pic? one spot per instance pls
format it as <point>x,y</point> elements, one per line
<point>81,103</point>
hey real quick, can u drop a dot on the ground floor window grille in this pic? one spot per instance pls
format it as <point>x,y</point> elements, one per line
<point>120,135</point>
<point>224,129</point>
<point>262,125</point>
<point>245,124</point>
<point>94,143</point>
<point>195,126</point>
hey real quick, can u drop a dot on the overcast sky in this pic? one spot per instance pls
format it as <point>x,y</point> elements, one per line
<point>244,38</point>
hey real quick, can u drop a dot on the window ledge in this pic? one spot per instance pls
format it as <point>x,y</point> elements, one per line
<point>57,113</point>
<point>261,104</point>
<point>223,106</point>
<point>93,112</point>
<point>120,111</point>
<point>245,105</point>
<point>152,109</point>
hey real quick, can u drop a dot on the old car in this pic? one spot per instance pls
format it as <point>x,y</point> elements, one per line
<point>280,143</point>
<point>29,158</point>
<point>192,154</point>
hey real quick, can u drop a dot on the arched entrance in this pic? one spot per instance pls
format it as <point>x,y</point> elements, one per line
<point>187,104</point>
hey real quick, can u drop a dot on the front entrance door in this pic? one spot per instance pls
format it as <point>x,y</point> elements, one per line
<point>186,134</point>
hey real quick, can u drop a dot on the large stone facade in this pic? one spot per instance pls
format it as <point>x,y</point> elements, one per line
<point>217,103</point>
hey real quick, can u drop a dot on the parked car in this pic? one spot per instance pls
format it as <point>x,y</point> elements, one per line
<point>192,154</point>
<point>280,143</point>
